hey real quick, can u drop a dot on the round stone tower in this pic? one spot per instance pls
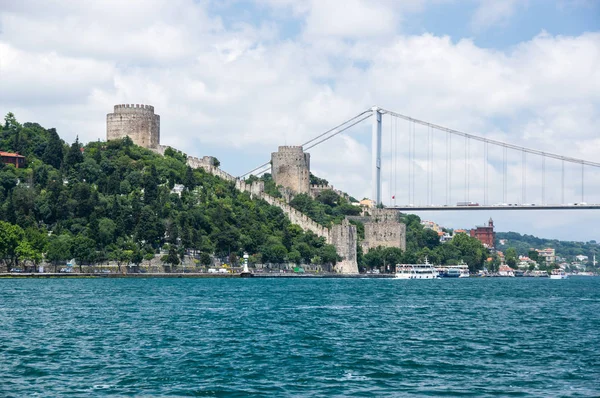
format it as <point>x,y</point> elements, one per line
<point>136,121</point>
<point>290,167</point>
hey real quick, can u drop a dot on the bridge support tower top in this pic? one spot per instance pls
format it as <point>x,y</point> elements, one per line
<point>376,156</point>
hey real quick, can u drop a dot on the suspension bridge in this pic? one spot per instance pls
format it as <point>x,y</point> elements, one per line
<point>432,167</point>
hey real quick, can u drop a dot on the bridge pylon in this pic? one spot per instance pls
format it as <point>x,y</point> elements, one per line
<point>376,156</point>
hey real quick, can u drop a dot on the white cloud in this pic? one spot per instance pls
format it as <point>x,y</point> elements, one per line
<point>349,19</point>
<point>241,91</point>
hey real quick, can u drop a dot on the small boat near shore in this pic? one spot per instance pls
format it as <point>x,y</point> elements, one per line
<point>450,273</point>
<point>558,274</point>
<point>460,270</point>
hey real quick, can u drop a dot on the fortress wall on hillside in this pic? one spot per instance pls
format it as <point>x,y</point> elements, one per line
<point>343,236</point>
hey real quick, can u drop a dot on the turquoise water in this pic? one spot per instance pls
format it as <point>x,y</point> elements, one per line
<point>300,337</point>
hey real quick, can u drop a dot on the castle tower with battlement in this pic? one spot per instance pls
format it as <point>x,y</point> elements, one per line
<point>290,167</point>
<point>135,121</point>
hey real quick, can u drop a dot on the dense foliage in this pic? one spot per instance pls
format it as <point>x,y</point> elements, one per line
<point>115,201</point>
<point>327,208</point>
<point>565,249</point>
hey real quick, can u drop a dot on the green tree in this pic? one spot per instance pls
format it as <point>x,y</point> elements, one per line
<point>25,252</point>
<point>53,154</point>
<point>84,250</point>
<point>294,257</point>
<point>205,259</point>
<point>469,250</point>
<point>106,231</point>
<point>59,249</point>
<point>373,259</point>
<point>511,257</point>
<point>74,155</point>
<point>274,253</point>
<point>171,258</point>
<point>10,238</point>
<point>392,256</point>
<point>151,182</point>
<point>533,255</point>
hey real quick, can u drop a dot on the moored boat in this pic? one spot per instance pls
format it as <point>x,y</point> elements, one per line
<point>460,270</point>
<point>450,273</point>
<point>558,274</point>
<point>416,271</point>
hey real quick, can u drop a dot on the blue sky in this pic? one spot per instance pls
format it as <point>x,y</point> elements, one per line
<point>235,79</point>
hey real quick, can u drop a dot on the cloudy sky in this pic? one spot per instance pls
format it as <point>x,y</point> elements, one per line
<point>236,78</point>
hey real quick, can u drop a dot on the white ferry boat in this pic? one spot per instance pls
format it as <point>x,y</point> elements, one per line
<point>558,274</point>
<point>460,270</point>
<point>416,271</point>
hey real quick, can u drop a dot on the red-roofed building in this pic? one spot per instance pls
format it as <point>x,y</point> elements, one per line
<point>12,158</point>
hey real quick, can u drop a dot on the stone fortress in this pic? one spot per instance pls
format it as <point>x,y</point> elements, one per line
<point>290,168</point>
<point>382,228</point>
<point>135,121</point>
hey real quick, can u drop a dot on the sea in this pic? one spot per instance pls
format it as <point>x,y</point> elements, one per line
<point>281,337</point>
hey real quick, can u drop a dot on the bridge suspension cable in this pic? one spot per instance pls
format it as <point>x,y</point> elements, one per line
<point>582,186</point>
<point>562,182</point>
<point>391,183</point>
<point>336,130</point>
<point>466,155</point>
<point>524,177</point>
<point>493,142</point>
<point>485,172</point>
<point>543,180</point>
<point>504,176</point>
<point>396,159</point>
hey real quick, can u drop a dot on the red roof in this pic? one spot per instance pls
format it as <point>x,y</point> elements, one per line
<point>10,154</point>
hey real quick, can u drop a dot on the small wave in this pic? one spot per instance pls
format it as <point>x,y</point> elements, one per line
<point>352,377</point>
<point>102,386</point>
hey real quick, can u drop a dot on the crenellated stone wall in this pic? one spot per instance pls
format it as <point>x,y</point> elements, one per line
<point>384,229</point>
<point>290,168</point>
<point>135,121</point>
<point>315,190</point>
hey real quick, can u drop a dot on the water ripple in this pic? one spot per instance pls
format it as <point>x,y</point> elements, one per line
<point>307,337</point>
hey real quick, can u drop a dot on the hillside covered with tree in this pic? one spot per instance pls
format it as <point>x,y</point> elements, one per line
<point>116,201</point>
<point>565,249</point>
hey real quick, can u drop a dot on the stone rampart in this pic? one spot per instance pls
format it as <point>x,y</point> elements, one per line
<point>297,217</point>
<point>343,236</point>
<point>384,229</point>
<point>290,168</point>
<point>315,190</point>
<point>135,121</point>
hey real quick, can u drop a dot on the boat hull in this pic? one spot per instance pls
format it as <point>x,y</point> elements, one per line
<point>558,276</point>
<point>404,276</point>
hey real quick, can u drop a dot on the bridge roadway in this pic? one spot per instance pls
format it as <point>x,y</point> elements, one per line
<point>495,207</point>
